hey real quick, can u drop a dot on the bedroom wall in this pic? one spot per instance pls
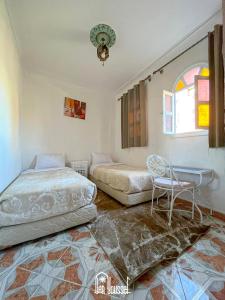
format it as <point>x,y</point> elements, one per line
<point>191,150</point>
<point>10,159</point>
<point>44,128</point>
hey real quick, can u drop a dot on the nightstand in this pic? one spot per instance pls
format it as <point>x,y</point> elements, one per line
<point>80,166</point>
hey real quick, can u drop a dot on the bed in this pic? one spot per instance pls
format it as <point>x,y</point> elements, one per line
<point>129,185</point>
<point>42,202</point>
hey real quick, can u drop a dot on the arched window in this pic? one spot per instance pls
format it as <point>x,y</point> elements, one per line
<point>186,109</point>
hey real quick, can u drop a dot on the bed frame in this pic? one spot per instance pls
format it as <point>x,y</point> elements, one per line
<point>125,199</point>
<point>16,234</point>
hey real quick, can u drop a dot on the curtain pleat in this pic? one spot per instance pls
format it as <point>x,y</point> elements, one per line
<point>136,116</point>
<point>143,115</point>
<point>216,81</point>
<point>124,121</point>
<point>133,117</point>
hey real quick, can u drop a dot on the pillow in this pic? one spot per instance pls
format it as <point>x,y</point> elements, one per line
<point>100,158</point>
<point>45,161</point>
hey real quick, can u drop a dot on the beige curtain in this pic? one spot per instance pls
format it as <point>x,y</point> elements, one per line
<point>216,79</point>
<point>133,117</point>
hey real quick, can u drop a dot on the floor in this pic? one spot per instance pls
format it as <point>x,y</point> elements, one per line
<point>64,266</point>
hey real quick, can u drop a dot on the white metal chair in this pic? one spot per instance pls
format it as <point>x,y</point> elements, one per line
<point>165,179</point>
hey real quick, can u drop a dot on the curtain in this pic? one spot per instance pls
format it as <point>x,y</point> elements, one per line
<point>216,88</point>
<point>133,117</point>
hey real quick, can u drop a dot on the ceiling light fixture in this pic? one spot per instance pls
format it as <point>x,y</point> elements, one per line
<point>102,37</point>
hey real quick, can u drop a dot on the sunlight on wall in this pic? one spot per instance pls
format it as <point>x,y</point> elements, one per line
<point>10,161</point>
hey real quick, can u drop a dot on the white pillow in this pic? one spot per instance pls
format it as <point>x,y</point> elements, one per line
<point>45,161</point>
<point>99,158</point>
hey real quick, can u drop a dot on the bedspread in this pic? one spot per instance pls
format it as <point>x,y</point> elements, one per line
<point>39,195</point>
<point>122,177</point>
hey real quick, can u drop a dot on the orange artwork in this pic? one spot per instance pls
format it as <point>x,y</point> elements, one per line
<point>74,108</point>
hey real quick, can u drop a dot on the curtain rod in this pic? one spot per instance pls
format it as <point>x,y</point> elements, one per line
<point>160,70</point>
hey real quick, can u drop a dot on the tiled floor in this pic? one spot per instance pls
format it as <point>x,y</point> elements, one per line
<point>64,267</point>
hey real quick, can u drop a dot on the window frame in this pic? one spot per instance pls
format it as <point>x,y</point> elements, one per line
<point>198,102</point>
<point>172,113</point>
<point>197,132</point>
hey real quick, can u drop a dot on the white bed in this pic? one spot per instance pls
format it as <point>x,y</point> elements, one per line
<point>39,198</point>
<point>129,185</point>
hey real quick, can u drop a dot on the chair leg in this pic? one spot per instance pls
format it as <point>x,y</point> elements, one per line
<point>168,199</point>
<point>200,213</point>
<point>171,207</point>
<point>153,194</point>
<point>193,204</point>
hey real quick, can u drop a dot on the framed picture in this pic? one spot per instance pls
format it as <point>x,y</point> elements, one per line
<point>74,108</point>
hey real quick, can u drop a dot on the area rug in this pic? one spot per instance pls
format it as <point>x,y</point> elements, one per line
<point>135,241</point>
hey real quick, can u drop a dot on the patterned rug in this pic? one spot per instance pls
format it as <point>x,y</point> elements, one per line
<point>135,241</point>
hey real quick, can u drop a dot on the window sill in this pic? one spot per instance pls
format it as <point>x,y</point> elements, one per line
<point>189,134</point>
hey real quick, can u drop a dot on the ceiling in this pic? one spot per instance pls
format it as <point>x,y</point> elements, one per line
<point>53,35</point>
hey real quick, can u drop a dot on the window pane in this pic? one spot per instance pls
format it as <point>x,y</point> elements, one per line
<point>168,103</point>
<point>169,123</point>
<point>205,72</point>
<point>189,77</point>
<point>203,115</point>
<point>185,110</point>
<point>203,90</point>
<point>180,85</point>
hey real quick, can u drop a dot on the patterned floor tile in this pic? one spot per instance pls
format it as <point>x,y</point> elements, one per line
<point>170,279</point>
<point>186,262</point>
<point>64,266</point>
<point>89,294</point>
<point>11,257</point>
<point>218,242</point>
<point>210,259</point>
<point>216,290</point>
<point>146,281</point>
<point>7,259</point>
<point>79,264</point>
<point>56,289</point>
<point>194,283</point>
<point>43,262</point>
<point>21,285</point>
<point>156,291</point>
<point>162,282</point>
<point>79,236</point>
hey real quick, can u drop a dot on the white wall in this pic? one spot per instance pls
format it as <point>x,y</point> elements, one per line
<point>45,129</point>
<point>190,151</point>
<point>10,160</point>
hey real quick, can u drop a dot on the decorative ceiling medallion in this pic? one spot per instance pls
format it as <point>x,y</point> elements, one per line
<point>102,37</point>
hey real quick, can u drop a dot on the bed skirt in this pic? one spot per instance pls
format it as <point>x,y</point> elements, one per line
<point>124,198</point>
<point>15,234</point>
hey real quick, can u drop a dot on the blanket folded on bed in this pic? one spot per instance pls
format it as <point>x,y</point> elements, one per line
<point>124,178</point>
<point>42,194</point>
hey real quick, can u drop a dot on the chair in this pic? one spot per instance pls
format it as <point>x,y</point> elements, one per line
<point>165,179</point>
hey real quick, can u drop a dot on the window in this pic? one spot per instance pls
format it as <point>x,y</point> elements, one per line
<point>187,108</point>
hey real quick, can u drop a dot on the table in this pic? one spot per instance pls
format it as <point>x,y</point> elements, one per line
<point>201,172</point>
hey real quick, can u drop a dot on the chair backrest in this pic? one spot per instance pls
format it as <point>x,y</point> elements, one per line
<point>157,166</point>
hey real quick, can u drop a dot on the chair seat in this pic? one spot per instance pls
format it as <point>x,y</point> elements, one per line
<point>168,183</point>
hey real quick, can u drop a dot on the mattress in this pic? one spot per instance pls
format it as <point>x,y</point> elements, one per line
<point>122,177</point>
<point>126,199</point>
<point>12,235</point>
<point>39,195</point>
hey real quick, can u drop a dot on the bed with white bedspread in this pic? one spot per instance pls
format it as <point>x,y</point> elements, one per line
<point>127,184</point>
<point>46,197</point>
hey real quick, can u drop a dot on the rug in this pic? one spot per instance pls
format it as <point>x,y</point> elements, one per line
<point>135,241</point>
